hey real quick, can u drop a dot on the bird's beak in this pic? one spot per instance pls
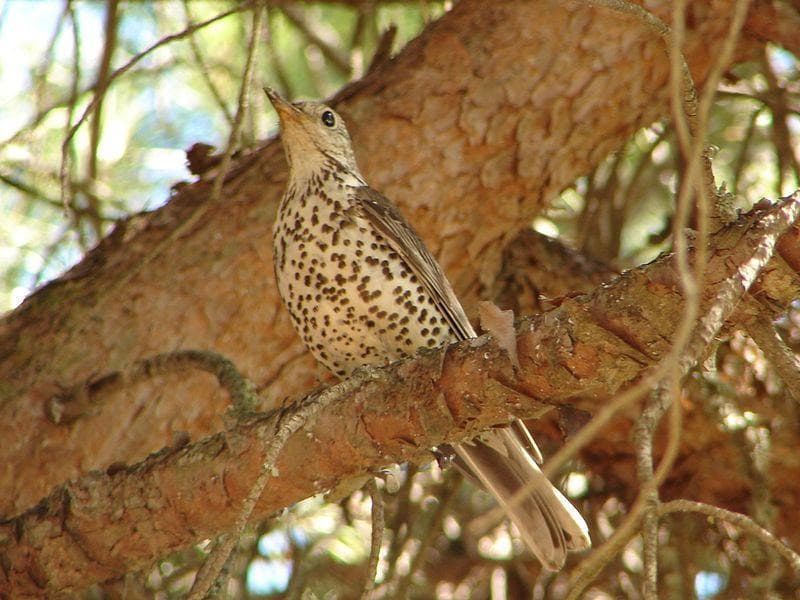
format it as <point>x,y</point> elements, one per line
<point>285,110</point>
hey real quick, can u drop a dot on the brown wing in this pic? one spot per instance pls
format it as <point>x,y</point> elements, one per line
<point>402,238</point>
<point>502,460</point>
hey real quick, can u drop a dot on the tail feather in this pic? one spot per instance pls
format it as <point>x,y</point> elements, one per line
<point>501,460</point>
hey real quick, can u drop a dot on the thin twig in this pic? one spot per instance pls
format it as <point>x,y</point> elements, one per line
<point>650,480</point>
<point>585,573</point>
<point>284,85</point>
<point>383,49</point>
<point>643,442</point>
<point>376,538</point>
<point>204,71</point>
<point>401,515</point>
<point>71,104</point>
<point>336,58</point>
<point>121,71</point>
<point>597,235</point>
<point>782,137</point>
<point>241,110</point>
<point>744,522</point>
<point>691,280</point>
<point>293,418</point>
<point>41,74</point>
<point>96,124</point>
<point>445,497</point>
<point>741,159</point>
<point>29,190</point>
<point>689,135</point>
<point>728,294</point>
<point>721,62</point>
<point>76,94</point>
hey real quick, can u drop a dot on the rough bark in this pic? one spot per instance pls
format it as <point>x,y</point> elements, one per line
<point>577,355</point>
<point>477,123</point>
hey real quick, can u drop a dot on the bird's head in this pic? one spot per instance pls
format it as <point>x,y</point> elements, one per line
<point>312,135</point>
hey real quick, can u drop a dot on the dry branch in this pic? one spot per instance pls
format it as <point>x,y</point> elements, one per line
<point>580,353</point>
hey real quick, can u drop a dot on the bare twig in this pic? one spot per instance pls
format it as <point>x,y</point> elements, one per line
<point>744,522</point>
<point>691,281</point>
<point>383,50</point>
<point>741,159</point>
<point>378,526</point>
<point>433,527</point>
<point>75,93</point>
<point>41,74</point>
<point>601,556</point>
<point>401,515</point>
<point>713,78</point>
<point>289,423</point>
<point>336,58</point>
<point>708,326</point>
<point>241,110</point>
<point>204,70</point>
<point>782,138</point>
<point>274,57</point>
<point>96,124</point>
<point>690,134</point>
<point>29,189</point>
<point>598,236</point>
<point>643,441</point>
<point>66,178</point>
<point>65,145</point>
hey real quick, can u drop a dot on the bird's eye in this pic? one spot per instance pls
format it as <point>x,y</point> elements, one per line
<point>328,119</point>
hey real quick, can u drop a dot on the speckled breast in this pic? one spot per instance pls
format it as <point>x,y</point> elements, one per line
<point>352,299</point>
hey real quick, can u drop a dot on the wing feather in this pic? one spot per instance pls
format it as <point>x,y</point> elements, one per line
<point>502,460</point>
<point>402,238</point>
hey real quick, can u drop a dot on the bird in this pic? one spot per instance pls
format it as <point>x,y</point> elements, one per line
<point>363,289</point>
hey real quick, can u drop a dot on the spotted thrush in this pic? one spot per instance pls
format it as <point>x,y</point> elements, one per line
<point>362,289</point>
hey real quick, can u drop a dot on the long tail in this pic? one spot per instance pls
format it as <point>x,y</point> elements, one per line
<point>502,460</point>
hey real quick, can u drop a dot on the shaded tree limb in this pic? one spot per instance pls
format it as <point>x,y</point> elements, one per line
<point>580,353</point>
<point>741,521</point>
<point>780,356</point>
<point>81,399</point>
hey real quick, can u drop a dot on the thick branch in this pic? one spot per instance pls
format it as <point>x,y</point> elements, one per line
<point>580,353</point>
